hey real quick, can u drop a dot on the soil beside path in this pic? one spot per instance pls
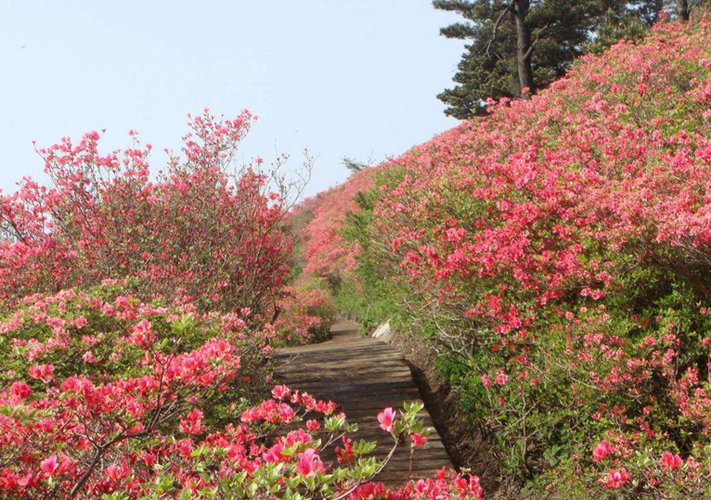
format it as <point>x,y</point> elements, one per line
<point>364,375</point>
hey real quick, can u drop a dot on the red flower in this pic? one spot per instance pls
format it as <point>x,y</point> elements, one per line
<point>418,439</point>
<point>281,392</point>
<point>20,390</point>
<point>44,373</point>
<point>616,479</point>
<point>49,465</point>
<point>192,423</point>
<point>602,450</point>
<point>670,461</point>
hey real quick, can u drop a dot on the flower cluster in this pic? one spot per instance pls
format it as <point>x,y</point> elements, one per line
<point>306,313</point>
<point>445,486</point>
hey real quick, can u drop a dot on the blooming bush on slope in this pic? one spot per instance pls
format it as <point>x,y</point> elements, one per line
<point>323,259</point>
<point>194,230</point>
<point>560,249</point>
<point>326,253</point>
<point>104,396</point>
<point>306,313</point>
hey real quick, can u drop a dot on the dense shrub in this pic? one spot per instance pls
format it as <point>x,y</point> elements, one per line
<point>194,229</point>
<point>306,313</point>
<point>100,381</point>
<point>558,252</point>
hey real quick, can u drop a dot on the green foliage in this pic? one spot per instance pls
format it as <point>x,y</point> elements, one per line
<point>614,28</point>
<point>353,165</point>
<point>370,294</point>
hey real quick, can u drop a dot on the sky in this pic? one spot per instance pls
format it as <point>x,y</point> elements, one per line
<point>355,78</point>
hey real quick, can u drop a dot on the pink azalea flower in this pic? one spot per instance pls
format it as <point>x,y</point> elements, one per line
<point>113,472</point>
<point>49,465</point>
<point>309,463</point>
<point>602,450</point>
<point>20,390</point>
<point>670,461</point>
<point>281,392</point>
<point>616,479</point>
<point>386,419</point>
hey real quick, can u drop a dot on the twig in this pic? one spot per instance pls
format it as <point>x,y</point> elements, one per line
<point>492,40</point>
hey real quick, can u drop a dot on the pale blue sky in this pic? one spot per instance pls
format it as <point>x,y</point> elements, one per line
<point>348,77</point>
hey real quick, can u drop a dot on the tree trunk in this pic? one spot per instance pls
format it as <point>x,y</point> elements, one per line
<point>682,9</point>
<point>523,47</point>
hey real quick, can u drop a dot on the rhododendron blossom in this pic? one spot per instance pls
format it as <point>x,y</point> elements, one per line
<point>309,463</point>
<point>670,461</point>
<point>616,479</point>
<point>601,451</point>
<point>418,439</point>
<point>386,419</point>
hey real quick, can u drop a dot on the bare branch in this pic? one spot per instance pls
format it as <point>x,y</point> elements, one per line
<point>497,24</point>
<point>538,37</point>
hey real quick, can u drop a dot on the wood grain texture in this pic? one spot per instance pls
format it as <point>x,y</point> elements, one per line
<point>364,375</point>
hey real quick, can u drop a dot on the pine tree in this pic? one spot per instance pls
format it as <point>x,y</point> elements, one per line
<point>516,45</point>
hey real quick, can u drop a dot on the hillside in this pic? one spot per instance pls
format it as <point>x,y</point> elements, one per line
<point>556,254</point>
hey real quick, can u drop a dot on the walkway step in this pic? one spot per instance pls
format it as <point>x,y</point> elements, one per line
<point>364,375</point>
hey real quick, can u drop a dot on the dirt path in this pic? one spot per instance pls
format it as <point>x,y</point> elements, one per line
<point>364,375</point>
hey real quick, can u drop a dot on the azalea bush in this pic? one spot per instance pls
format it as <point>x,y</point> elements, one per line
<point>557,254</point>
<point>327,254</point>
<point>102,395</point>
<point>306,313</point>
<point>91,381</point>
<point>199,228</point>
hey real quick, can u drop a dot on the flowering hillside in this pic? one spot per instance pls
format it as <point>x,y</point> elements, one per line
<point>324,258</point>
<point>326,253</point>
<point>558,253</point>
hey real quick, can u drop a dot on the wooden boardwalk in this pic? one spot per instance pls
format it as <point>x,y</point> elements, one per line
<point>364,375</point>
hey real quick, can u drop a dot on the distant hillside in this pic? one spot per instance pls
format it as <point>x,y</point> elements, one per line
<point>323,251</point>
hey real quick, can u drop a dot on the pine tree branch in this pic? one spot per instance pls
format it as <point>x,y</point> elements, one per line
<point>497,24</point>
<point>538,37</point>
<point>459,6</point>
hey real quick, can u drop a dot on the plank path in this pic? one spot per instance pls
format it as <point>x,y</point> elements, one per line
<point>364,375</point>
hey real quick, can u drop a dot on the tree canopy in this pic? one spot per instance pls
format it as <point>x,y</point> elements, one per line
<point>518,44</point>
